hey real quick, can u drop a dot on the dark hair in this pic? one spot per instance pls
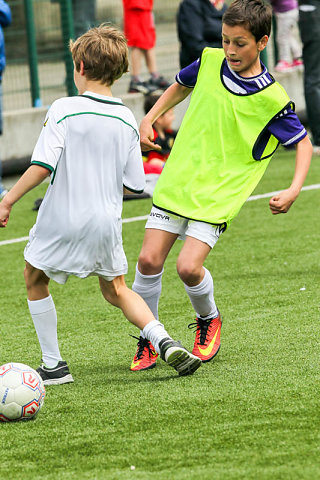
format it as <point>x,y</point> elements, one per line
<point>149,101</point>
<point>254,15</point>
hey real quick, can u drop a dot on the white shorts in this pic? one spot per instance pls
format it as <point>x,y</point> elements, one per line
<point>162,220</point>
<point>62,277</point>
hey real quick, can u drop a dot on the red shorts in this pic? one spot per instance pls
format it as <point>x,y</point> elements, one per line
<point>139,28</point>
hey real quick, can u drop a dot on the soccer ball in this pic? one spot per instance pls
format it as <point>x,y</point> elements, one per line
<point>22,392</point>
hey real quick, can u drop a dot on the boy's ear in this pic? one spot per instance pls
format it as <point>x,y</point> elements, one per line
<point>262,43</point>
<point>81,67</point>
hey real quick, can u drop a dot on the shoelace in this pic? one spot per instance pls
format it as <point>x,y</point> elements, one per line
<point>142,344</point>
<point>201,326</point>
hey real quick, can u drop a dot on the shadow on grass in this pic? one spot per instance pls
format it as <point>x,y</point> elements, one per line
<point>120,374</point>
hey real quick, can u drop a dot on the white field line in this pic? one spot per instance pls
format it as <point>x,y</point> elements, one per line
<point>316,186</point>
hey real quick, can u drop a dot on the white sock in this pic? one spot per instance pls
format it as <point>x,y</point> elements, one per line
<point>201,297</point>
<point>44,316</point>
<point>149,288</point>
<point>154,331</point>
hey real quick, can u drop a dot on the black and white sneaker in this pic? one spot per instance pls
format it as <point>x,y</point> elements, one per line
<point>178,357</point>
<point>57,375</point>
<point>158,83</point>
<point>138,86</point>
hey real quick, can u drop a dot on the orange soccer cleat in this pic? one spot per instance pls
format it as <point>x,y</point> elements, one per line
<point>145,357</point>
<point>207,342</point>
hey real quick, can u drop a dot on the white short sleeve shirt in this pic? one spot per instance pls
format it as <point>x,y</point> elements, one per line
<point>90,144</point>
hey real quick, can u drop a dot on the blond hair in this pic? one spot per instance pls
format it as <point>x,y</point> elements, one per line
<point>104,53</point>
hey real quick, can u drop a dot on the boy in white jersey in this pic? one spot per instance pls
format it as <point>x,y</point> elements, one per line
<point>90,146</point>
<point>222,149</point>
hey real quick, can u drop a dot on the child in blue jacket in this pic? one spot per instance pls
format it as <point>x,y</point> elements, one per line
<point>5,20</point>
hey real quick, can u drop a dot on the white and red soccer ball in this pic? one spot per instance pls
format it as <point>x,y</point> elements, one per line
<point>22,392</point>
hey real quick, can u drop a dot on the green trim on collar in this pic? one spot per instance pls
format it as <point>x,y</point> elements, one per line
<point>102,101</point>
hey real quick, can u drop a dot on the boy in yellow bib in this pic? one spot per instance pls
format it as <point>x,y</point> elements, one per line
<point>236,119</point>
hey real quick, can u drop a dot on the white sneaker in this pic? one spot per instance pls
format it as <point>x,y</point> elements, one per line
<point>178,357</point>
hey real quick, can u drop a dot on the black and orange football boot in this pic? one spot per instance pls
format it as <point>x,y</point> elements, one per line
<point>145,357</point>
<point>207,342</point>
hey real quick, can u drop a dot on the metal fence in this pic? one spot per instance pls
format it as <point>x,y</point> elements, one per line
<point>36,45</point>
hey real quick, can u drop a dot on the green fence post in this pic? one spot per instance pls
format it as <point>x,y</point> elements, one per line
<point>32,54</point>
<point>67,34</point>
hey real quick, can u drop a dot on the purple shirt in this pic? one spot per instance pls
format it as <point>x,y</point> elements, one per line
<point>280,6</point>
<point>286,126</point>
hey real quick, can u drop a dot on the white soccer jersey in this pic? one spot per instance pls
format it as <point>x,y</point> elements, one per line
<point>90,143</point>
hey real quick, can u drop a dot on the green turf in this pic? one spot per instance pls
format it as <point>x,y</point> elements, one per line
<point>253,413</point>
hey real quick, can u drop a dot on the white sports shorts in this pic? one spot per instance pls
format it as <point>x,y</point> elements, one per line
<point>62,277</point>
<point>162,220</point>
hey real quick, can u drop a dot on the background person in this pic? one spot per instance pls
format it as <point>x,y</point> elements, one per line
<point>309,23</point>
<point>164,136</point>
<point>139,29</point>
<point>5,20</point>
<point>289,46</point>
<point>84,15</point>
<point>199,26</point>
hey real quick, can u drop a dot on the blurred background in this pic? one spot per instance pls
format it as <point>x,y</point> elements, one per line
<point>39,66</point>
<point>37,48</point>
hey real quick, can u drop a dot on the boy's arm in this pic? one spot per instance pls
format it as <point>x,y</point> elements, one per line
<point>282,202</point>
<point>171,97</point>
<point>30,179</point>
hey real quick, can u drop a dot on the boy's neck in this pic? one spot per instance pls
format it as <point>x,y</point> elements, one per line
<point>95,87</point>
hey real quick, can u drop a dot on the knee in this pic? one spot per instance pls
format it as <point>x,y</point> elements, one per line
<point>150,263</point>
<point>190,273</point>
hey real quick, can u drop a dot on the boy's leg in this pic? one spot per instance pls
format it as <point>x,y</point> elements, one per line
<point>43,313</point>
<point>150,56</point>
<point>132,305</point>
<point>155,248</point>
<point>136,57</point>
<point>137,312</point>
<point>295,43</point>
<point>284,35</point>
<point>136,84</point>
<point>147,283</point>
<point>197,279</point>
<point>156,81</point>
<point>198,284</point>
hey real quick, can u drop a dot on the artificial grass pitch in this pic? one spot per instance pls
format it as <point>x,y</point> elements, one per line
<point>251,413</point>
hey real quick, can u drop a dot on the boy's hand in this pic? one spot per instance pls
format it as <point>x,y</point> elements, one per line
<point>5,210</point>
<point>147,136</point>
<point>282,202</point>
